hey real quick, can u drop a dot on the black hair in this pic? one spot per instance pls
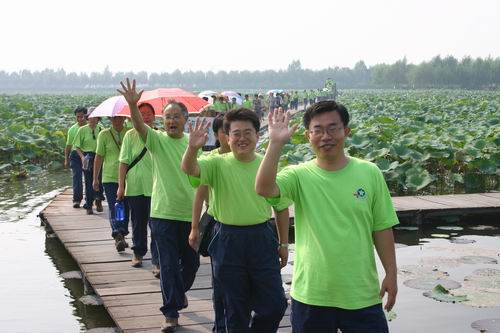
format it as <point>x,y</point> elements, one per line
<point>325,106</point>
<point>147,105</point>
<point>218,123</point>
<point>81,109</point>
<point>241,114</point>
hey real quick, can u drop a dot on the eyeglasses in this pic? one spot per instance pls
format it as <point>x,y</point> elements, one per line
<point>331,130</point>
<point>176,118</point>
<point>237,134</point>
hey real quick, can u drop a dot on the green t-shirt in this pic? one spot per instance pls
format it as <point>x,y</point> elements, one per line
<point>139,179</point>
<point>210,210</point>
<point>172,196</point>
<point>234,199</point>
<point>233,106</point>
<point>71,135</point>
<point>336,213</point>
<point>110,151</point>
<point>247,103</point>
<point>86,138</point>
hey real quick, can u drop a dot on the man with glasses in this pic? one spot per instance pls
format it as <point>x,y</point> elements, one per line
<point>171,203</point>
<point>245,252</point>
<point>342,209</point>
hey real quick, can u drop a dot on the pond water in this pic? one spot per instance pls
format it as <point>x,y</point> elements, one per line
<point>35,296</point>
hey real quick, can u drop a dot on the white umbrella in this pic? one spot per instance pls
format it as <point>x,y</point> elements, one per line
<point>208,94</point>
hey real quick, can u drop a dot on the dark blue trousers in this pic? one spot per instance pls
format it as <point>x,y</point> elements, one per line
<point>217,298</point>
<point>75,162</point>
<point>139,206</point>
<point>247,268</point>
<point>178,263</point>
<point>312,319</point>
<point>90,194</point>
<point>117,228</point>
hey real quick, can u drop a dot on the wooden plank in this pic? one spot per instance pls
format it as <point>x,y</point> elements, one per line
<point>132,295</point>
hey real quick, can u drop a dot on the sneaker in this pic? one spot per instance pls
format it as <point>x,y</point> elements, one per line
<point>169,325</point>
<point>90,211</point>
<point>156,271</point>
<point>136,261</point>
<point>98,205</point>
<point>76,204</point>
<point>119,243</point>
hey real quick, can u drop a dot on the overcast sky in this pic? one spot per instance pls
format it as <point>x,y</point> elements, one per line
<point>164,35</point>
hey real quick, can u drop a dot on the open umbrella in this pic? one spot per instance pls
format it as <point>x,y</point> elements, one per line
<point>232,94</point>
<point>158,98</point>
<point>208,94</point>
<point>110,107</point>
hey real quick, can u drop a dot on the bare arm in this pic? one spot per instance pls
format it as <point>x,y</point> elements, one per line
<point>67,151</point>
<point>132,97</point>
<point>279,134</point>
<point>282,225</point>
<point>80,153</point>
<point>122,173</point>
<point>384,243</point>
<point>200,197</point>
<point>97,168</point>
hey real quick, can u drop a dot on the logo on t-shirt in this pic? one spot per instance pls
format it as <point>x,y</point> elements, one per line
<point>360,193</point>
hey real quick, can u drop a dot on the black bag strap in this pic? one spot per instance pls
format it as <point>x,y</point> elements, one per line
<point>112,135</point>
<point>137,159</point>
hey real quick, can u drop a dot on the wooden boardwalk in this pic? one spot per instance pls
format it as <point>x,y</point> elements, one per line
<point>132,295</point>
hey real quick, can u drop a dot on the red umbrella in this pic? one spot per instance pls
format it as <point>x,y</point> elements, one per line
<point>158,98</point>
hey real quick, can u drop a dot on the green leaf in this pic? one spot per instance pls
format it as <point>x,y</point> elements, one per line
<point>418,181</point>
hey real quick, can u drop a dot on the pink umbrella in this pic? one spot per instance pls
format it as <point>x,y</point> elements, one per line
<point>110,107</point>
<point>158,98</point>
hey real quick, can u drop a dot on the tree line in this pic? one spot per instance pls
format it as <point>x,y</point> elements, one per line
<point>439,72</point>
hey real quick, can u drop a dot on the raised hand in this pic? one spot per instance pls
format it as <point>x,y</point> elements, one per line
<point>130,93</point>
<point>198,135</point>
<point>279,131</point>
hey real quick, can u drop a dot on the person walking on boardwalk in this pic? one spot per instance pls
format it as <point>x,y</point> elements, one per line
<point>205,194</point>
<point>71,157</point>
<point>171,203</point>
<point>85,144</point>
<point>109,144</point>
<point>342,210</point>
<point>244,250</point>
<point>135,184</point>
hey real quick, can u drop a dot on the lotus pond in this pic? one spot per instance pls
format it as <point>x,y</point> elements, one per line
<point>425,142</point>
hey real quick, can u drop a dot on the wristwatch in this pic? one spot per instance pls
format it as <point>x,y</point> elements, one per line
<point>284,245</point>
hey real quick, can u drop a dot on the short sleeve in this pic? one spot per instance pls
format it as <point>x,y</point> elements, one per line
<point>125,150</point>
<point>101,145</point>
<point>152,140</point>
<point>77,142</point>
<point>384,215</point>
<point>71,136</point>
<point>287,184</point>
<point>208,167</point>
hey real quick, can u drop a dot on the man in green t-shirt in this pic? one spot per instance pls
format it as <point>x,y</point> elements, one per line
<point>135,184</point>
<point>171,203</point>
<point>85,144</point>
<point>342,208</point>
<point>203,194</point>
<point>72,159</point>
<point>245,251</point>
<point>109,143</point>
<point>247,102</point>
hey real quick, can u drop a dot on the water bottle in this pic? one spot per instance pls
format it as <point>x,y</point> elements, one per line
<point>119,211</point>
<point>86,162</point>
